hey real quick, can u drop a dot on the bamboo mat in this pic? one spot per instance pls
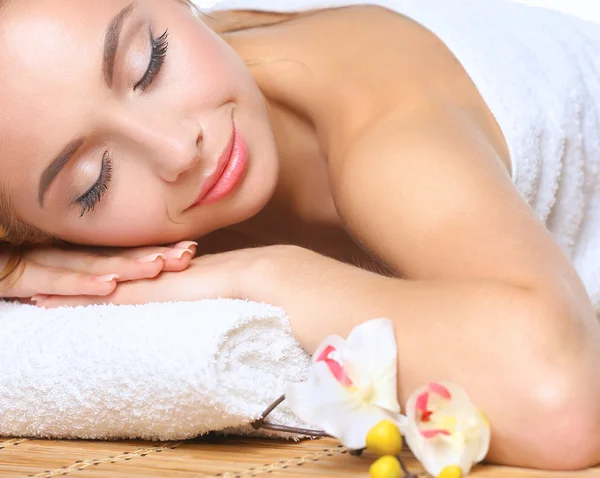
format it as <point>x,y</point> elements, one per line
<point>209,456</point>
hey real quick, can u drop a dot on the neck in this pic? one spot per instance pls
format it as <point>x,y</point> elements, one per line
<point>298,114</point>
<point>302,199</point>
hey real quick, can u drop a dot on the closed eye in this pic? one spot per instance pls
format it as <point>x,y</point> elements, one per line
<point>158,55</point>
<point>92,196</point>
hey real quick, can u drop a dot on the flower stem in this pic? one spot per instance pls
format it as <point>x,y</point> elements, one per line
<point>300,431</point>
<point>407,474</point>
<point>272,407</point>
<point>261,423</point>
<point>357,452</point>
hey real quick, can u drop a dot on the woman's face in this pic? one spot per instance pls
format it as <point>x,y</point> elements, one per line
<point>113,116</point>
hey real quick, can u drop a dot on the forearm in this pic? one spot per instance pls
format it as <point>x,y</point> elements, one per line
<point>486,336</point>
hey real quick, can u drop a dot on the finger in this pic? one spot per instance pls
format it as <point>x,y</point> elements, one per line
<point>167,287</point>
<point>127,268</point>
<point>182,245</point>
<point>37,279</point>
<point>177,256</point>
<point>122,294</point>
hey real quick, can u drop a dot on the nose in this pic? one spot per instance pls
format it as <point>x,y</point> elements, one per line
<point>171,147</point>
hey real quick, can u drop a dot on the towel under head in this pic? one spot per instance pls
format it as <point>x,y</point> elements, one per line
<point>156,371</point>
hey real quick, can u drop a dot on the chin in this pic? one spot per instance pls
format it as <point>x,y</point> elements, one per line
<point>256,190</point>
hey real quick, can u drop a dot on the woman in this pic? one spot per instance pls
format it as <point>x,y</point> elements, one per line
<point>342,176</point>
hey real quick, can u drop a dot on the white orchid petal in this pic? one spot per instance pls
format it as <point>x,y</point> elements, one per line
<point>354,387</point>
<point>364,417</point>
<point>386,393</point>
<point>469,455</point>
<point>477,433</point>
<point>322,401</point>
<point>374,341</point>
<point>400,420</point>
<point>460,398</point>
<point>312,400</point>
<point>374,357</point>
<point>333,340</point>
<point>438,454</point>
<point>481,444</point>
<point>484,443</point>
<point>469,439</point>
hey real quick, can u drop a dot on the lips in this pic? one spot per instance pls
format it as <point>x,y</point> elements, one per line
<point>214,177</point>
<point>228,173</point>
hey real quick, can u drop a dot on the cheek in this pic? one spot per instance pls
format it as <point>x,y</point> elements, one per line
<point>127,215</point>
<point>125,230</point>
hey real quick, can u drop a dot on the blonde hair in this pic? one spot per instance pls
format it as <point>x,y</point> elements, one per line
<point>229,21</point>
<point>16,233</point>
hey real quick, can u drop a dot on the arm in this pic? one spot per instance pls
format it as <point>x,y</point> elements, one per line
<point>490,302</point>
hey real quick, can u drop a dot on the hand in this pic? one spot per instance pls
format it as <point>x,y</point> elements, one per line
<point>237,274</point>
<point>59,271</point>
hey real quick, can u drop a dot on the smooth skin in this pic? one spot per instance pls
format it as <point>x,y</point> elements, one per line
<point>378,185</point>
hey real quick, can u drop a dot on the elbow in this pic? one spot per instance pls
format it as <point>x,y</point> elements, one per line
<point>564,428</point>
<point>563,398</point>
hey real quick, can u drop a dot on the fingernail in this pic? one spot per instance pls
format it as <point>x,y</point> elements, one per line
<point>151,258</point>
<point>186,244</point>
<point>39,297</point>
<point>177,253</point>
<point>107,278</point>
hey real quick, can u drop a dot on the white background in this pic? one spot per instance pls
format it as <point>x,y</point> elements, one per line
<point>587,9</point>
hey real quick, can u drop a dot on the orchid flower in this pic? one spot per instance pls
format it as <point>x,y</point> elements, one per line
<point>351,384</point>
<point>445,429</point>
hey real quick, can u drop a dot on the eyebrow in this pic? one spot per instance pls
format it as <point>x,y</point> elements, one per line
<point>56,166</point>
<point>111,42</point>
<point>111,46</point>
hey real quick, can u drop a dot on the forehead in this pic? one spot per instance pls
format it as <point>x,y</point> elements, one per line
<point>50,44</point>
<point>38,37</point>
<point>50,57</point>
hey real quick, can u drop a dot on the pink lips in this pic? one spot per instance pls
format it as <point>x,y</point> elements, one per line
<point>229,171</point>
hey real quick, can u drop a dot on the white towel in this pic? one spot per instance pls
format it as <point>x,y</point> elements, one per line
<point>538,71</point>
<point>158,371</point>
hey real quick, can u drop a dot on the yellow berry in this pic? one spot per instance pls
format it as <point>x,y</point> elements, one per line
<point>386,467</point>
<point>451,471</point>
<point>384,439</point>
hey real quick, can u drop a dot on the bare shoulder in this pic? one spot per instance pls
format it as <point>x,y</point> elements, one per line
<point>389,65</point>
<point>352,65</point>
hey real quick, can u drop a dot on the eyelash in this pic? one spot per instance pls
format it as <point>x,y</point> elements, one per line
<point>90,199</point>
<point>160,46</point>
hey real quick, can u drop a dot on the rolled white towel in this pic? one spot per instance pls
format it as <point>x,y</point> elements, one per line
<point>157,371</point>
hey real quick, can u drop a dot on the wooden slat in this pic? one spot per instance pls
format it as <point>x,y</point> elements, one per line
<point>210,456</point>
<point>45,457</point>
